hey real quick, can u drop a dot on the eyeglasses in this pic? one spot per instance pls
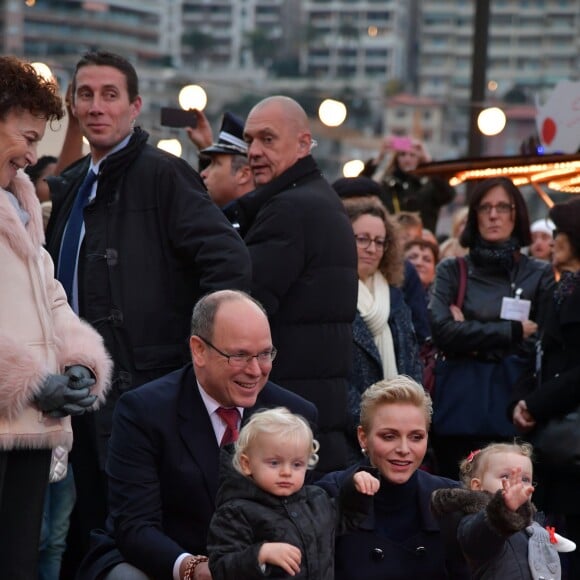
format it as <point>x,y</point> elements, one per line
<point>241,360</point>
<point>364,242</point>
<point>501,207</point>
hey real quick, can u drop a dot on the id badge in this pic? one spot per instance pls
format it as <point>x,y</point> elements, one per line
<point>515,309</point>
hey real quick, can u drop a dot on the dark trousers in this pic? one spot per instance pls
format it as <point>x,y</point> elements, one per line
<point>23,483</point>
<point>90,510</point>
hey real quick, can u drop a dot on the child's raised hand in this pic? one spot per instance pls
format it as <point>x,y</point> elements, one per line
<point>287,556</point>
<point>515,491</point>
<point>366,483</point>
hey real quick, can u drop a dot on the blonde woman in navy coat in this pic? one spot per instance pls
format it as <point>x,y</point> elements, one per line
<point>401,539</point>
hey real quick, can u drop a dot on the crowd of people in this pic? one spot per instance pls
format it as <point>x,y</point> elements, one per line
<point>220,375</point>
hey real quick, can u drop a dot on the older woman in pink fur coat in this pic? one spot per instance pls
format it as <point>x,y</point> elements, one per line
<point>52,364</point>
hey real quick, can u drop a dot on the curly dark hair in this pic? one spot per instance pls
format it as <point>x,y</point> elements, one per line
<point>391,265</point>
<point>22,88</point>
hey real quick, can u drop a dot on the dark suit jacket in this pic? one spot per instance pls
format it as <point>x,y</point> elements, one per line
<point>163,468</point>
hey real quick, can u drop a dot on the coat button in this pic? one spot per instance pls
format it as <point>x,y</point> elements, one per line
<point>377,554</point>
<point>420,550</point>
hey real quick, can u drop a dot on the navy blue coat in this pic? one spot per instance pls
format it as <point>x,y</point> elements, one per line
<point>367,367</point>
<point>367,554</point>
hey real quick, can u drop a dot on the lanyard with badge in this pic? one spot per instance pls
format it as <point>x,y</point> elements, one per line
<point>517,308</point>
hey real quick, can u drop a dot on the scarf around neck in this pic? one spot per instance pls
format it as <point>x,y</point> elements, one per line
<point>495,253</point>
<point>374,305</point>
<point>568,284</point>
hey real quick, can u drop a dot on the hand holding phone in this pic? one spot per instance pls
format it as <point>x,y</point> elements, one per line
<point>173,117</point>
<point>400,143</point>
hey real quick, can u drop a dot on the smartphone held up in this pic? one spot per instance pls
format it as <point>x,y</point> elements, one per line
<point>175,117</point>
<point>400,143</point>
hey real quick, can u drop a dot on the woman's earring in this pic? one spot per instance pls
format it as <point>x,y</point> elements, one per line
<point>363,450</point>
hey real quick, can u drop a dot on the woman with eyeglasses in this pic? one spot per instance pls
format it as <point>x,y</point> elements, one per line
<point>385,344</point>
<point>489,344</point>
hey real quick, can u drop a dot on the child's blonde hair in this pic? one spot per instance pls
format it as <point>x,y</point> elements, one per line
<point>476,463</point>
<point>399,389</point>
<point>276,422</point>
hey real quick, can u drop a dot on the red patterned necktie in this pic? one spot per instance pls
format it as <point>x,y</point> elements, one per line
<point>230,418</point>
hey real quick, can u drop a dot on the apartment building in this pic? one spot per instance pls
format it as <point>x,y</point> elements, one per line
<point>532,44</point>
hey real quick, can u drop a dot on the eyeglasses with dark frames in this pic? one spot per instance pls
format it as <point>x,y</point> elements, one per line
<point>364,242</point>
<point>501,208</point>
<point>241,360</point>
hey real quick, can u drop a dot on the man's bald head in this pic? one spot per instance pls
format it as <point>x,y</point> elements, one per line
<point>278,135</point>
<point>287,108</point>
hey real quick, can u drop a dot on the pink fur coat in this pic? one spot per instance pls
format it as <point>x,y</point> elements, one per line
<point>39,333</point>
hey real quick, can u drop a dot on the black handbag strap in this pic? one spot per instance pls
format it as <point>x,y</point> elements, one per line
<point>462,266</point>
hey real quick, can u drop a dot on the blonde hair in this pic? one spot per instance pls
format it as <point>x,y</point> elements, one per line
<point>400,389</point>
<point>276,422</point>
<point>476,463</point>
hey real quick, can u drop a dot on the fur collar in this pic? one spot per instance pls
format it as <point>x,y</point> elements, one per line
<point>445,501</point>
<point>26,242</point>
<point>466,502</point>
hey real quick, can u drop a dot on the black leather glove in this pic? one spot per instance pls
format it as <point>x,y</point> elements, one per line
<point>79,377</point>
<point>57,399</point>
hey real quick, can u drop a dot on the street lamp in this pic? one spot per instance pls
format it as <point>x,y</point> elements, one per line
<point>332,113</point>
<point>43,70</point>
<point>491,121</point>
<point>192,97</point>
<point>352,168</point>
<point>172,146</point>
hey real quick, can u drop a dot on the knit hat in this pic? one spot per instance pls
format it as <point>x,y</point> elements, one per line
<point>356,187</point>
<point>543,225</point>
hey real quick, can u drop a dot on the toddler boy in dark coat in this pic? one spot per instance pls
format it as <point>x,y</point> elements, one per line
<point>267,522</point>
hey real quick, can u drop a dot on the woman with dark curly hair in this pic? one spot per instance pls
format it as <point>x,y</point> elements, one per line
<point>385,344</point>
<point>52,365</point>
<point>489,344</point>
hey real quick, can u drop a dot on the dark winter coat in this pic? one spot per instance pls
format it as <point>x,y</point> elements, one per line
<point>414,294</point>
<point>407,192</point>
<point>491,536</point>
<point>367,554</point>
<point>304,265</point>
<point>246,517</point>
<point>483,335</point>
<point>154,244</point>
<point>558,395</point>
<point>483,332</point>
<point>367,365</point>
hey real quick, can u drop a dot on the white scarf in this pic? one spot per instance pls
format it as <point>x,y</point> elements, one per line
<point>374,305</point>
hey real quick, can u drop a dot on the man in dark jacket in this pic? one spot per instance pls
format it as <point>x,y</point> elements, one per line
<point>163,463</point>
<point>153,244</point>
<point>304,266</point>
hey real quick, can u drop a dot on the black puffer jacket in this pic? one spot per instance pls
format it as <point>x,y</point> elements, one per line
<point>493,538</point>
<point>304,267</point>
<point>246,517</point>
